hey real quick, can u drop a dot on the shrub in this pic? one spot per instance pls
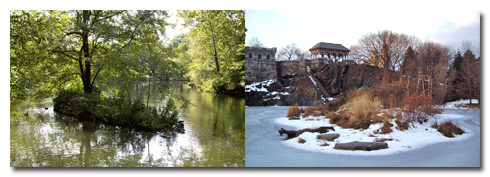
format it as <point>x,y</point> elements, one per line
<point>402,125</point>
<point>415,101</point>
<point>301,110</point>
<point>415,116</point>
<point>308,111</point>
<point>293,111</point>
<point>121,111</point>
<point>386,128</point>
<point>430,110</point>
<point>76,104</point>
<point>336,105</point>
<point>448,129</point>
<point>391,96</point>
<point>301,141</point>
<point>317,113</point>
<point>334,117</point>
<point>361,111</point>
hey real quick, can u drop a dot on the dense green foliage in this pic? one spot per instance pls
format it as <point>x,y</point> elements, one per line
<point>216,47</point>
<point>90,56</point>
<point>122,110</point>
<point>50,50</point>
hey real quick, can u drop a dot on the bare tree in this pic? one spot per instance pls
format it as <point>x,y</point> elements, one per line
<point>254,42</point>
<point>289,51</point>
<point>385,49</point>
<point>432,65</point>
<point>304,55</point>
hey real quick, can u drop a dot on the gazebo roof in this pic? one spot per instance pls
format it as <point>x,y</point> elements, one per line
<point>330,46</point>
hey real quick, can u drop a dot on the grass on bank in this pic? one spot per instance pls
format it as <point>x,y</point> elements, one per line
<point>362,108</point>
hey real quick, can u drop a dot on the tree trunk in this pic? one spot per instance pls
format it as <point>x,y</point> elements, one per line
<point>408,86</point>
<point>471,93</point>
<point>216,57</point>
<point>87,86</point>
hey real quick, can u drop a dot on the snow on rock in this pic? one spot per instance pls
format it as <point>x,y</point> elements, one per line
<point>254,86</point>
<point>314,83</point>
<point>418,136</point>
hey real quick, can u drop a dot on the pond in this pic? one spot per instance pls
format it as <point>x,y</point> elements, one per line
<point>214,136</point>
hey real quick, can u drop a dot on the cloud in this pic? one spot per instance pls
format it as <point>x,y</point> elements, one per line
<point>347,26</point>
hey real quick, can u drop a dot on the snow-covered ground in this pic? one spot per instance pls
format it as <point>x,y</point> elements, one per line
<point>420,146</point>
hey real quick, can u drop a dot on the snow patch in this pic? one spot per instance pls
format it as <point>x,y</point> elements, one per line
<point>418,136</point>
<point>255,86</point>
<point>314,83</point>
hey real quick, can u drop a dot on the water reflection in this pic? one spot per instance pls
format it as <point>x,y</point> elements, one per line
<point>214,137</point>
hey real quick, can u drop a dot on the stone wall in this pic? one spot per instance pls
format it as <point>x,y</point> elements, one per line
<point>299,67</point>
<point>259,70</point>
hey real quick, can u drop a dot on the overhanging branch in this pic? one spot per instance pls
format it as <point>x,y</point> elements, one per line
<point>95,76</point>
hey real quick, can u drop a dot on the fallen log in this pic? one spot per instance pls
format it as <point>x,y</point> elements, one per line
<point>365,146</point>
<point>292,133</point>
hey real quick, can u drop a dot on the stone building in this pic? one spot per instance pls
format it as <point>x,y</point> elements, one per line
<point>260,64</point>
<point>259,53</point>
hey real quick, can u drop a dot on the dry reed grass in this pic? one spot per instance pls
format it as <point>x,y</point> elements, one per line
<point>293,111</point>
<point>448,129</point>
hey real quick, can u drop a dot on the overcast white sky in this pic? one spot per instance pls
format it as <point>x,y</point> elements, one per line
<point>170,32</point>
<point>308,27</point>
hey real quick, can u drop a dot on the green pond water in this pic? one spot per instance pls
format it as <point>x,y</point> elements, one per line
<point>214,136</point>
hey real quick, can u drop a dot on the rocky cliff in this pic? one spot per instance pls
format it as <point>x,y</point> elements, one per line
<point>324,85</point>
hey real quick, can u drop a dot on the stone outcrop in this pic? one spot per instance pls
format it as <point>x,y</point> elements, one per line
<point>315,86</point>
<point>302,92</point>
<point>266,93</point>
<point>328,137</point>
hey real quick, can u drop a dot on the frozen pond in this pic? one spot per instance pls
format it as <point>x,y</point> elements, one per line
<point>265,148</point>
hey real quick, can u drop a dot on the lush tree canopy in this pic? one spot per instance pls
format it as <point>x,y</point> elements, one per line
<point>54,49</point>
<point>216,47</point>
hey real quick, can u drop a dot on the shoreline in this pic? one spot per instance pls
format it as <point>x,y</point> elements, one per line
<point>265,148</point>
<point>402,142</point>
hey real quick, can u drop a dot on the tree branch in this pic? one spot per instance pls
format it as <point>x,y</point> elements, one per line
<point>95,76</point>
<point>73,32</point>
<point>110,16</point>
<point>65,54</point>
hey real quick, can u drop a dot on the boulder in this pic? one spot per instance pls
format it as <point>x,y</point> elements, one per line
<point>328,137</point>
<point>365,146</point>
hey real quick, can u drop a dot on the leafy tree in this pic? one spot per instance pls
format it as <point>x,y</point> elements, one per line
<point>217,48</point>
<point>77,43</point>
<point>31,65</point>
